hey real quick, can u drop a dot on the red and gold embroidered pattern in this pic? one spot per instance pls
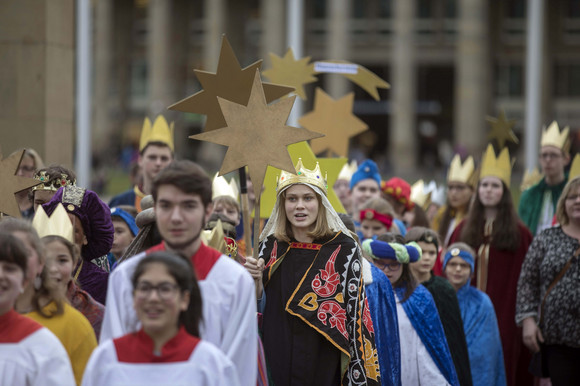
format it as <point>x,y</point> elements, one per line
<point>315,247</point>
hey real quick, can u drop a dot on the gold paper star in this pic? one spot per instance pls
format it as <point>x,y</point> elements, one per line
<point>257,135</point>
<point>11,184</point>
<point>364,78</point>
<point>335,119</point>
<point>329,166</point>
<point>229,82</point>
<point>501,130</point>
<point>292,72</point>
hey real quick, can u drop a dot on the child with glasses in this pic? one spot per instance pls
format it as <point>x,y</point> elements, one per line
<point>167,348</point>
<point>425,356</point>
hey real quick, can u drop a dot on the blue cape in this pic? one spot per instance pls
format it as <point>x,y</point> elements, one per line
<point>383,307</point>
<point>422,313</point>
<point>482,335</point>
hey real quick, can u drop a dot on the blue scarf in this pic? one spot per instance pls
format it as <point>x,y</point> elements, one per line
<point>383,309</point>
<point>422,313</point>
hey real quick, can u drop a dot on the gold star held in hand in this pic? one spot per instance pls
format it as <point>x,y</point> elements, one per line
<point>257,135</point>
<point>501,129</point>
<point>334,119</point>
<point>229,82</point>
<point>11,184</point>
<point>291,72</point>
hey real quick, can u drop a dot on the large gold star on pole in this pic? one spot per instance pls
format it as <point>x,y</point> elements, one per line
<point>229,82</point>
<point>335,119</point>
<point>257,135</point>
<point>330,168</point>
<point>291,72</point>
<point>11,184</point>
<point>501,129</point>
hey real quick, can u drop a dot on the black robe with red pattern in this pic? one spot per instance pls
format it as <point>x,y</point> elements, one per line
<point>316,327</point>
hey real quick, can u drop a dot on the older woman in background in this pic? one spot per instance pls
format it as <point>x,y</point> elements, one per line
<point>549,283</point>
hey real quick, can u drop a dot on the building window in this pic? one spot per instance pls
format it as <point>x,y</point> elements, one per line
<point>567,80</point>
<point>509,80</point>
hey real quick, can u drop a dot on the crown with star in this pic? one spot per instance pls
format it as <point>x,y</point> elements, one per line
<point>552,136</point>
<point>500,166</point>
<point>461,172</point>
<point>302,176</point>
<point>160,131</point>
<point>51,183</point>
<point>58,224</point>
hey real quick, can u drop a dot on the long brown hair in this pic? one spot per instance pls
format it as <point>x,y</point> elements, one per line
<point>505,234</point>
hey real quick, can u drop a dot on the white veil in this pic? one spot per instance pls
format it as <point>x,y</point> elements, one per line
<point>334,221</point>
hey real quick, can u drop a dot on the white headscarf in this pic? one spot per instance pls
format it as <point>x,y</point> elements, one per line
<point>332,218</point>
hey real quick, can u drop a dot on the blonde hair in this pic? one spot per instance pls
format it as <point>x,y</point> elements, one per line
<point>561,214</point>
<point>283,228</point>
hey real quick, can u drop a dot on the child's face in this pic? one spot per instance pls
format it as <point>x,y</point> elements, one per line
<point>123,238</point>
<point>228,211</point>
<point>372,227</point>
<point>11,285</point>
<point>59,264</point>
<point>457,271</point>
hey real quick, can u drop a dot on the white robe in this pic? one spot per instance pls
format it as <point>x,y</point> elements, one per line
<point>38,359</point>
<point>417,366</point>
<point>229,312</point>
<point>207,366</point>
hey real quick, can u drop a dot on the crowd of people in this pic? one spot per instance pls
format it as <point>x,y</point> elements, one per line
<point>411,286</point>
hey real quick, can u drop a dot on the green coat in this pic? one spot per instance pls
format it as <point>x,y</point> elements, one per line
<point>531,202</point>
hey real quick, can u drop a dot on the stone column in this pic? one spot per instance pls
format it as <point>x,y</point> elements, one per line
<point>104,27</point>
<point>402,132</point>
<point>214,20</point>
<point>273,27</point>
<point>473,66</point>
<point>37,78</point>
<point>337,41</point>
<point>160,74</point>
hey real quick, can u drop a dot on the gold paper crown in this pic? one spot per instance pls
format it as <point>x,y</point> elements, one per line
<point>419,195</point>
<point>58,224</point>
<point>215,237</point>
<point>159,132</point>
<point>347,171</point>
<point>221,187</point>
<point>51,184</point>
<point>302,176</point>
<point>553,137</point>
<point>461,173</point>
<point>531,178</point>
<point>500,167</point>
<point>575,168</point>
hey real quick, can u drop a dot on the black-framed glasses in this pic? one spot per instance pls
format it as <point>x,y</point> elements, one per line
<point>391,266</point>
<point>165,291</point>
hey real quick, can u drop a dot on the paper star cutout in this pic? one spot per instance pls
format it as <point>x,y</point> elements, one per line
<point>329,166</point>
<point>335,119</point>
<point>501,129</point>
<point>11,184</point>
<point>292,72</point>
<point>229,82</point>
<point>257,135</point>
<point>364,78</point>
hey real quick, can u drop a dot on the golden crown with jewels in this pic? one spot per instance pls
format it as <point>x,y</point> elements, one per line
<point>302,176</point>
